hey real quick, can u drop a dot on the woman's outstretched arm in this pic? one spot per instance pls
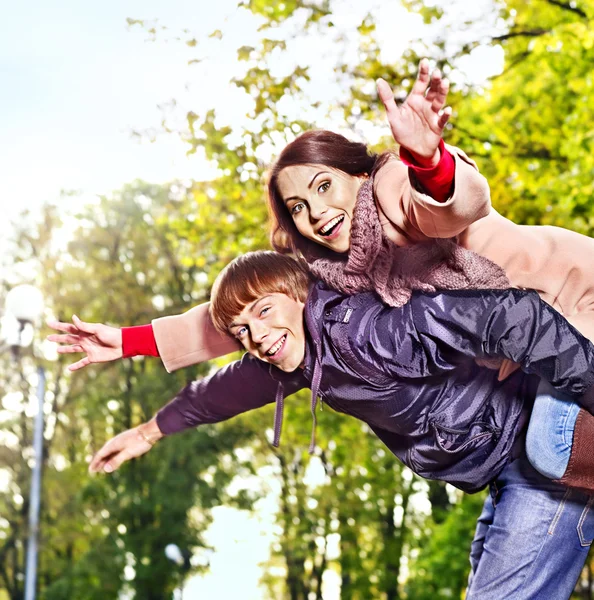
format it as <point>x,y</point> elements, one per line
<point>436,191</point>
<point>99,342</point>
<point>418,123</point>
<point>180,340</point>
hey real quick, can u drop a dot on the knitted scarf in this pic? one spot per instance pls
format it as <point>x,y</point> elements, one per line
<point>374,263</point>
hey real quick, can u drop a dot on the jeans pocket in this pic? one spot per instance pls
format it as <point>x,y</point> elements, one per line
<point>585,527</point>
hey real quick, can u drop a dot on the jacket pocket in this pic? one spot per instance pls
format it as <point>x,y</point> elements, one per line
<point>457,441</point>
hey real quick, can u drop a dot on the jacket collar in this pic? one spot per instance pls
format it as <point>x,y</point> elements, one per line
<point>322,304</point>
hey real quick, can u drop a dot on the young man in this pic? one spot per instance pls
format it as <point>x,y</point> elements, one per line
<point>410,373</point>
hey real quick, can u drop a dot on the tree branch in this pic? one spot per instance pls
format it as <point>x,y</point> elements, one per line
<point>514,34</point>
<point>514,62</point>
<point>567,6</point>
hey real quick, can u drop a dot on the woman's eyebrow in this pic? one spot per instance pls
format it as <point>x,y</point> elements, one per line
<point>314,178</point>
<point>308,186</point>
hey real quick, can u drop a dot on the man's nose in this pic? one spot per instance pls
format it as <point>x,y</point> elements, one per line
<point>259,332</point>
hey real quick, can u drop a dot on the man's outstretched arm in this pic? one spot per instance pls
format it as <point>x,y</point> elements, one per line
<point>243,385</point>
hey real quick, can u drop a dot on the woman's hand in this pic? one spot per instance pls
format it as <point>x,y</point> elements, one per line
<point>125,446</point>
<point>418,123</point>
<point>101,343</point>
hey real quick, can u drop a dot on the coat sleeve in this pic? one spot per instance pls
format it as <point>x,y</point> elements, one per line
<point>190,338</point>
<point>418,215</point>
<point>511,324</point>
<point>234,389</point>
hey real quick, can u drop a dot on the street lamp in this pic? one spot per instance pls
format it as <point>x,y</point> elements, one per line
<point>25,304</point>
<point>182,559</point>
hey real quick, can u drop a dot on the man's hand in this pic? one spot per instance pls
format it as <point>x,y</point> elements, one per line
<point>125,446</point>
<point>101,343</point>
<point>418,123</point>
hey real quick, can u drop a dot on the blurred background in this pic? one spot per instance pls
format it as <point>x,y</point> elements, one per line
<point>134,140</point>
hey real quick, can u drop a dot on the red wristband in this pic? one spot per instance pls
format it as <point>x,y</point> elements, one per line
<point>437,181</point>
<point>139,341</point>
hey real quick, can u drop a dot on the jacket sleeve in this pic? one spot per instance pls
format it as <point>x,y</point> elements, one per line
<point>418,215</point>
<point>511,324</point>
<point>190,338</point>
<point>234,389</point>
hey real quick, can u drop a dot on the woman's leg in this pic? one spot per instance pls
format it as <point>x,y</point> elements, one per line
<point>550,433</point>
<point>537,538</point>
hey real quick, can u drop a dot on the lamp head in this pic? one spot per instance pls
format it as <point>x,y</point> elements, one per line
<point>174,554</point>
<point>25,303</point>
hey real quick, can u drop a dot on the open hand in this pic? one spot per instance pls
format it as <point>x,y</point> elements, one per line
<point>101,343</point>
<point>129,444</point>
<point>418,123</point>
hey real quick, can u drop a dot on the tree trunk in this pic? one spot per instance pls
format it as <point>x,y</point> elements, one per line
<point>348,558</point>
<point>393,538</point>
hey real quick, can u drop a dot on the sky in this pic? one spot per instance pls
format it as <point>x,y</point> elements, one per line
<point>77,81</point>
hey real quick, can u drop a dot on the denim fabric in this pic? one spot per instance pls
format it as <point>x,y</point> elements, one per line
<point>532,538</point>
<point>550,432</point>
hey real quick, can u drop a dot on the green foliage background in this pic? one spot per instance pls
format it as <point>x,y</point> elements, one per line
<point>150,250</point>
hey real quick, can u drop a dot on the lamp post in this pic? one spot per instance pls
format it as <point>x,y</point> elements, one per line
<point>25,304</point>
<point>182,559</point>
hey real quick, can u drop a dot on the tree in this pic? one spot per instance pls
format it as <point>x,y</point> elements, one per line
<point>157,249</point>
<point>102,535</point>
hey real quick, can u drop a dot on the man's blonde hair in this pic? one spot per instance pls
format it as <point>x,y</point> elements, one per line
<point>252,276</point>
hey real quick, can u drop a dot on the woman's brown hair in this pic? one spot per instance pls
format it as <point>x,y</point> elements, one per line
<point>319,147</point>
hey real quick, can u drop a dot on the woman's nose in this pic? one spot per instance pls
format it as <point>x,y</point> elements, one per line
<point>317,209</point>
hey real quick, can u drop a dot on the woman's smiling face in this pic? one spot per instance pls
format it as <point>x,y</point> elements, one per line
<point>321,201</point>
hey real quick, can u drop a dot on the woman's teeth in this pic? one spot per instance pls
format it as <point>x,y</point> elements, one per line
<point>276,346</point>
<point>327,229</point>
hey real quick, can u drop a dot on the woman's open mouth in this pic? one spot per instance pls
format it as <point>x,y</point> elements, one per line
<point>275,350</point>
<point>331,229</point>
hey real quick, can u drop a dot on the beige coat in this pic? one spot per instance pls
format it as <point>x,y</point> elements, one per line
<point>557,263</point>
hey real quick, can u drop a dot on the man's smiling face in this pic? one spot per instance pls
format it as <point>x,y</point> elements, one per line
<point>271,328</point>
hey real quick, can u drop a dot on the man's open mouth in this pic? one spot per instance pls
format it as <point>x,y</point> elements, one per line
<point>331,226</point>
<point>276,348</point>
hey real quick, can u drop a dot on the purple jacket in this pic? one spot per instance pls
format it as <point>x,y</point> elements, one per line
<point>410,373</point>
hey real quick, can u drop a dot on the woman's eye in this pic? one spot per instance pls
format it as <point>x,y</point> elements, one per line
<point>324,187</point>
<point>297,208</point>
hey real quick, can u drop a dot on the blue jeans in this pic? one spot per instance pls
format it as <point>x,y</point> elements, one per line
<point>550,431</point>
<point>532,538</point>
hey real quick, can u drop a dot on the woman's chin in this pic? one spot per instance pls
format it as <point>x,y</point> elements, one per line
<point>339,244</point>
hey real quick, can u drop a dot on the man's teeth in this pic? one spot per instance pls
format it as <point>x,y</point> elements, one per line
<point>331,224</point>
<point>276,346</point>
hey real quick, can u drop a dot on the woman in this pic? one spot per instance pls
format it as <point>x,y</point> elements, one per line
<point>329,197</point>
